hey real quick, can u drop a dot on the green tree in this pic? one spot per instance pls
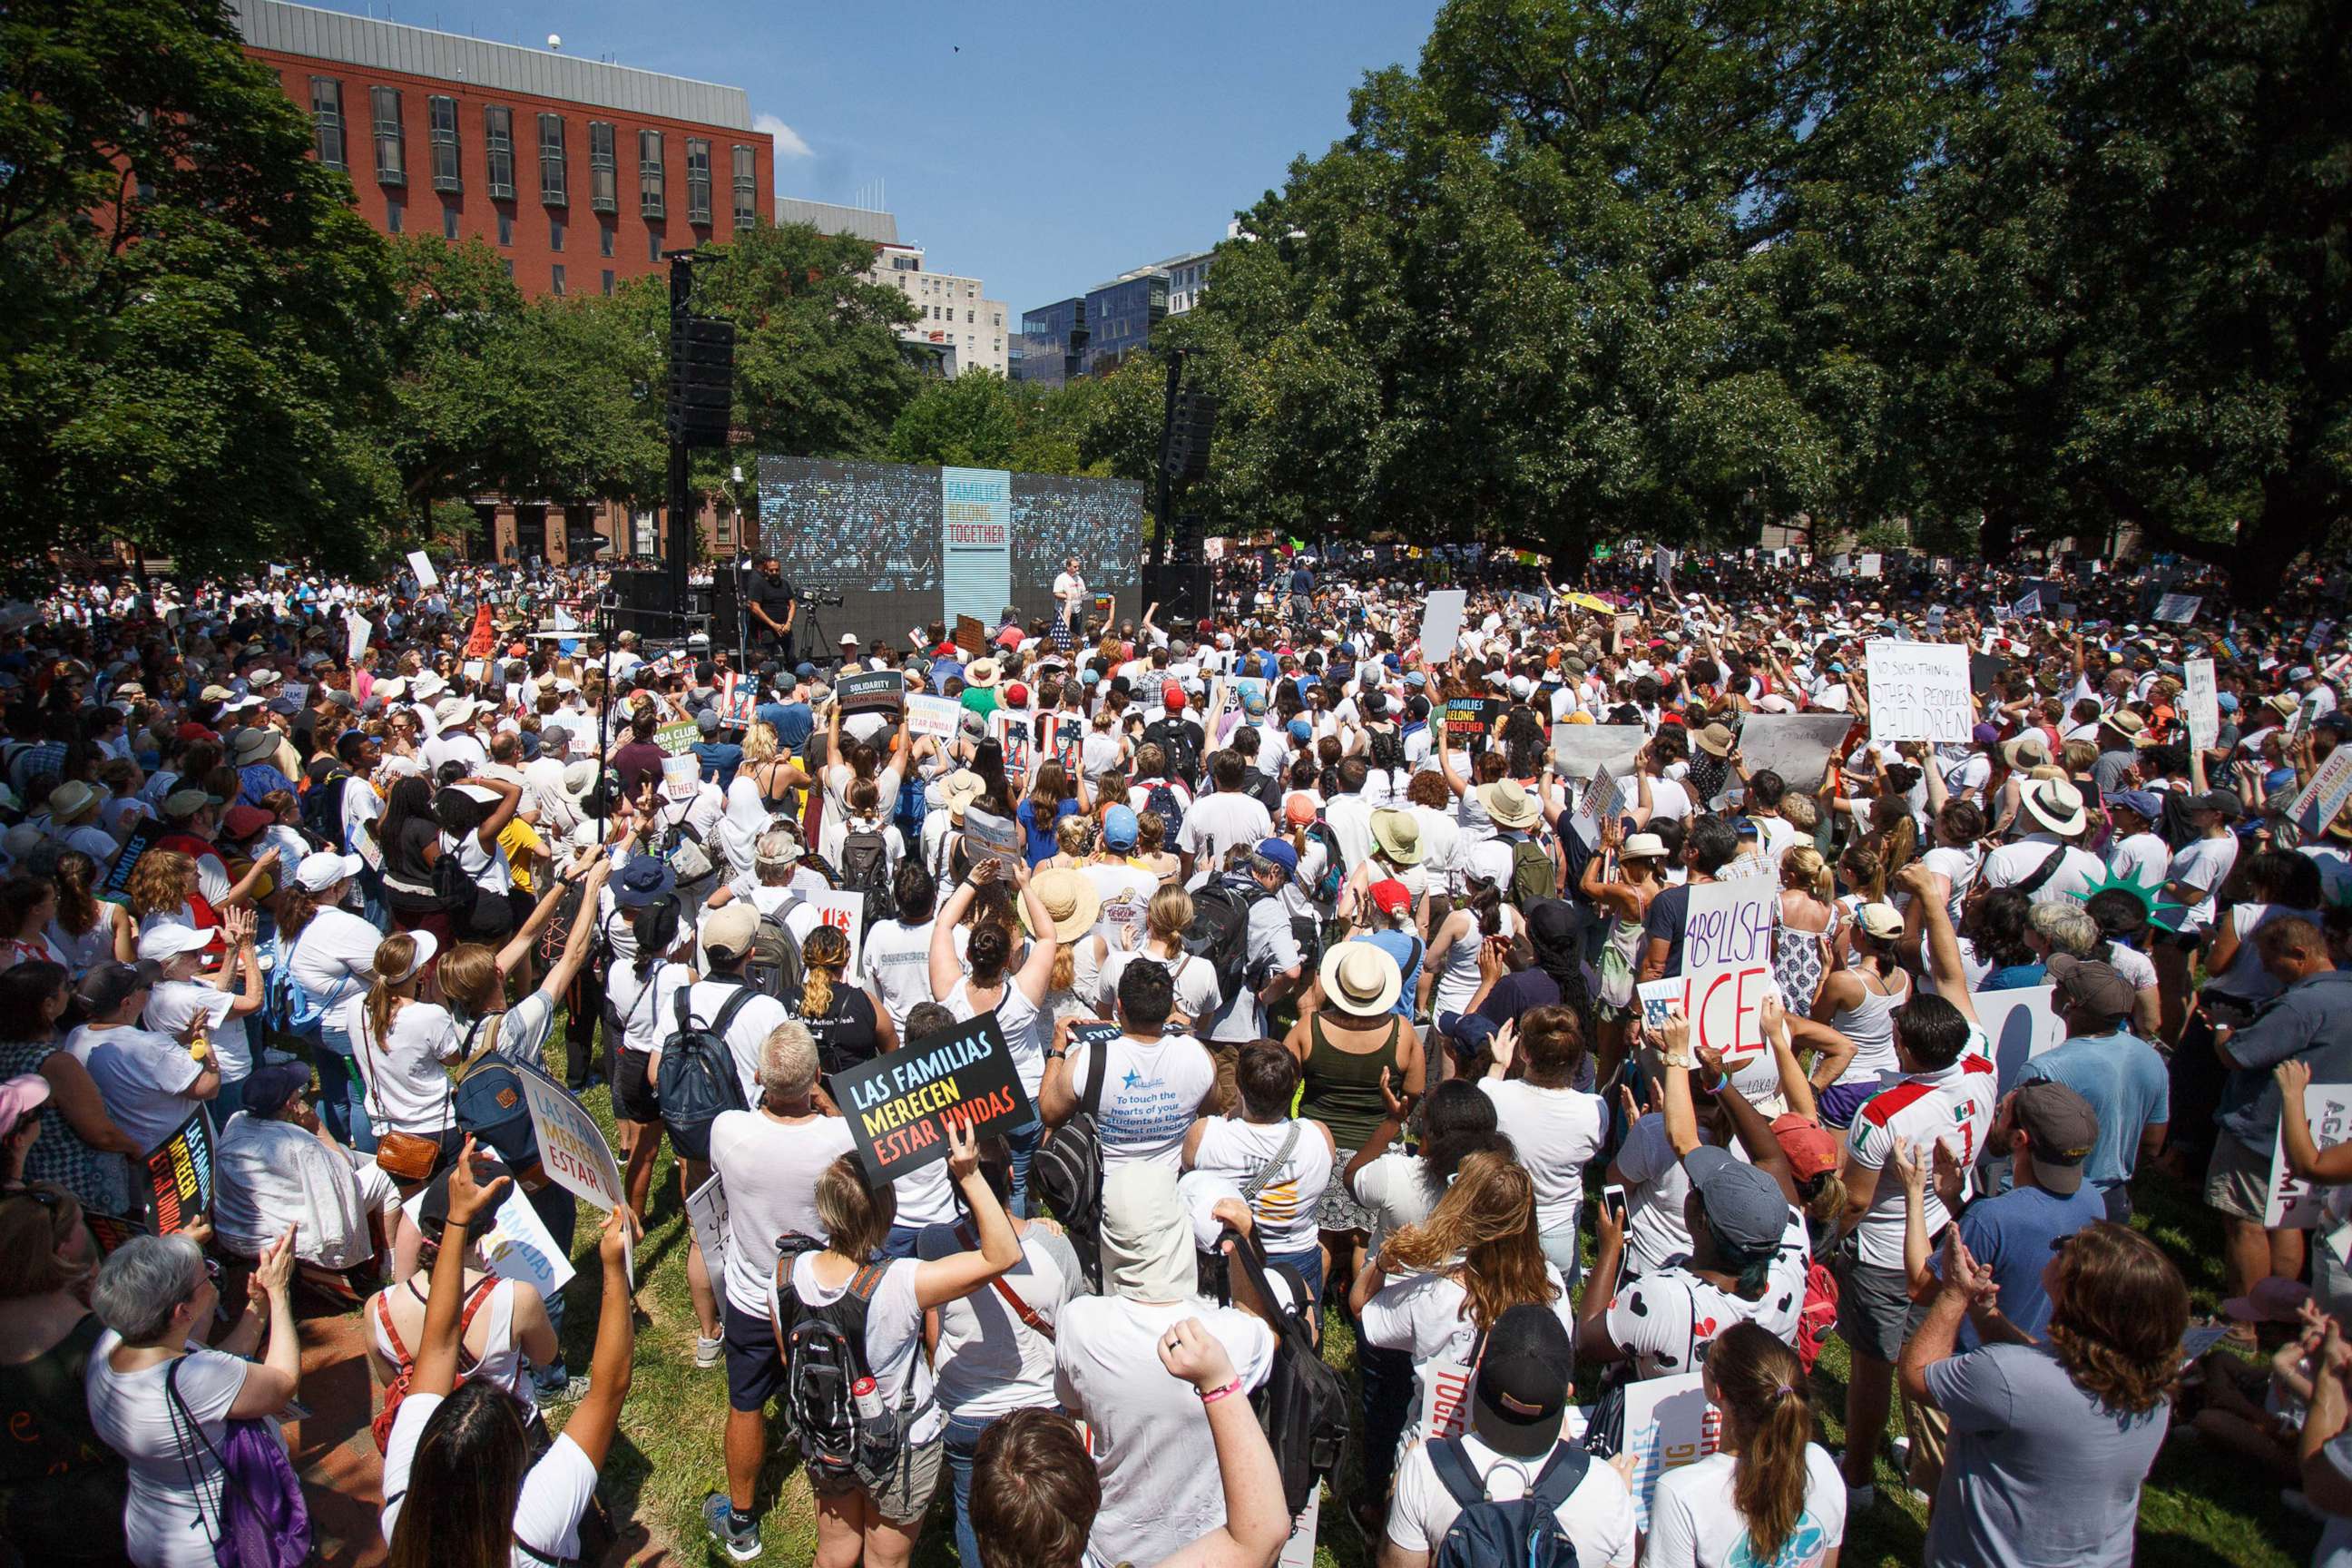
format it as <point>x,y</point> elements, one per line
<point>970,422</point>
<point>194,352</point>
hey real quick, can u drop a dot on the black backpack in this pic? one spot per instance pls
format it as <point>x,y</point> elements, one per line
<point>697,1078</point>
<point>322,809</point>
<point>1220,929</point>
<point>866,869</point>
<point>1068,1169</point>
<point>1175,743</point>
<point>1524,1532</point>
<point>825,1360</point>
<point>1304,1405</point>
<point>1159,799</point>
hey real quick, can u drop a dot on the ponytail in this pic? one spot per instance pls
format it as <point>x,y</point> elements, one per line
<point>1761,1389</point>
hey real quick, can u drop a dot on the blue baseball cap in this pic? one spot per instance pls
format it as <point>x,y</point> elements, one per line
<point>1279,852</point>
<point>2226,701</point>
<point>1300,729</point>
<point>1119,826</point>
<point>2140,800</point>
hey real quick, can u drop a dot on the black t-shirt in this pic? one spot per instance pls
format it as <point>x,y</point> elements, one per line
<point>1668,913</point>
<point>847,1033</point>
<point>774,600</point>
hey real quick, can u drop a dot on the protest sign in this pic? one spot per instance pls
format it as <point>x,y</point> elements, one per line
<point>927,715</point>
<point>1868,566</point>
<point>2028,603</point>
<point>1066,738</point>
<point>1298,1550</point>
<point>970,636</point>
<point>422,564</point>
<point>1011,732</point>
<point>1467,718</point>
<point>1578,749</point>
<point>2202,701</point>
<point>706,1210</point>
<point>988,836</point>
<point>899,1106</point>
<point>678,738</point>
<point>1727,966</point>
<point>1665,561</point>
<point>111,1230</point>
<point>357,629</point>
<point>875,691</point>
<point>1661,1000</point>
<point>2323,798</point>
<point>2178,608</point>
<point>127,857</point>
<point>2022,1022</point>
<point>484,638</point>
<point>738,700</point>
<point>1918,691</point>
<point>2316,639</point>
<point>1797,746</point>
<point>1985,670</point>
<point>571,1147</point>
<point>1440,625</point>
<point>2295,1204</point>
<point>845,910</point>
<point>1445,1398</point>
<point>1103,605</point>
<point>180,1176</point>
<point>516,1244</point>
<point>1668,1424</point>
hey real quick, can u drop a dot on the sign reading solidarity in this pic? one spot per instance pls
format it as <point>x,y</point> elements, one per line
<point>180,1176</point>
<point>1727,965</point>
<point>876,692</point>
<point>899,1106</point>
<point>1919,692</point>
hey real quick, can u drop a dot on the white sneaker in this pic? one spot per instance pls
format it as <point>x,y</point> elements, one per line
<point>1902,1447</point>
<point>709,1353</point>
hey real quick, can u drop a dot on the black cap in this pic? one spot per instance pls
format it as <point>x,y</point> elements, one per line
<point>1524,1383</point>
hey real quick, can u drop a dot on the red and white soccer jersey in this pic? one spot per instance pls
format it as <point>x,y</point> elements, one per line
<point>1953,1107</point>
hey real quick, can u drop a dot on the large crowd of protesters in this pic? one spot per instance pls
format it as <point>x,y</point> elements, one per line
<point>1328,985</point>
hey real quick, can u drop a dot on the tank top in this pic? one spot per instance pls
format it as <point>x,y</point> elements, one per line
<point>1870,1024</point>
<point>502,1360</point>
<point>1343,1088</point>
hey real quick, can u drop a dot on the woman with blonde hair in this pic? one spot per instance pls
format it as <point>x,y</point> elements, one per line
<point>1165,920</point>
<point>850,1024</point>
<point>1436,1288</point>
<point>162,889</point>
<point>1151,851</point>
<point>1805,937</point>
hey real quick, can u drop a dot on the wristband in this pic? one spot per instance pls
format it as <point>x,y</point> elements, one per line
<point>1719,1085</point>
<point>1213,1395</point>
<point>1057,1054</point>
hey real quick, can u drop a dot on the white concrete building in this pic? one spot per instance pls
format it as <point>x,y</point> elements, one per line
<point>955,313</point>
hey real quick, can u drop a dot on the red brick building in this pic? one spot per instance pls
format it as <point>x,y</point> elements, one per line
<point>578,172</point>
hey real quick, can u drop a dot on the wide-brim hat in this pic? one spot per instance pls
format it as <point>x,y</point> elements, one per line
<point>1715,740</point>
<point>2057,805</point>
<point>71,799</point>
<point>961,788</point>
<point>645,879</point>
<point>1398,834</point>
<point>983,672</point>
<point>254,745</point>
<point>1072,901</point>
<point>1361,979</point>
<point>1509,804</point>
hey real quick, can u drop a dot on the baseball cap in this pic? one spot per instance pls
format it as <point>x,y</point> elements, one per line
<point>1299,730</point>
<point>319,872</point>
<point>1119,827</point>
<point>2224,801</point>
<point>188,801</point>
<point>2142,801</point>
<point>271,1085</point>
<point>706,721</point>
<point>2098,989</point>
<point>244,821</point>
<point>1812,1147</point>
<point>2060,1128</point>
<point>162,943</point>
<point>106,986</point>
<point>1880,920</point>
<point>1744,1206</point>
<point>1172,696</point>
<point>1299,810</point>
<point>1392,897</point>
<point>19,1097</point>
<point>1278,852</point>
<point>1521,1394</point>
<point>727,932</point>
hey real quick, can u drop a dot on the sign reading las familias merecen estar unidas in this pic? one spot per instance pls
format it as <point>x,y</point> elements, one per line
<point>899,1106</point>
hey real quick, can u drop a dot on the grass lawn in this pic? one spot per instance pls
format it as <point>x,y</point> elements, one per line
<point>2200,1507</point>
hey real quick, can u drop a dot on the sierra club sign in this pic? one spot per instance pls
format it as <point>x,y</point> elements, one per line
<point>899,1106</point>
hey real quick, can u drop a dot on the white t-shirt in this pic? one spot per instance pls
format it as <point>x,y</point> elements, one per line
<point>1655,1186</point>
<point>1392,1190</point>
<point>894,1337</point>
<point>1214,826</point>
<point>1558,1132</point>
<point>1598,1515</point>
<point>896,959</point>
<point>1197,996</point>
<point>1667,1317</point>
<point>407,1085</point>
<point>2143,858</point>
<point>141,1076</point>
<point>132,1414</point>
<point>1148,1431</point>
<point>769,1170</point>
<point>1694,1524</point>
<point>2203,863</point>
<point>174,1004</point>
<point>1424,1315</point>
<point>334,957</point>
<point>556,1490</point>
<point>1285,1207</point>
<point>2074,878</point>
<point>746,1032</point>
<point>989,1362</point>
<point>1126,889</point>
<point>1152,1094</point>
<point>1953,1107</point>
<point>647,1011</point>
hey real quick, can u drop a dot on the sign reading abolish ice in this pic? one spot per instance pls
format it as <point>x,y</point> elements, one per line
<point>1919,692</point>
<point>899,1106</point>
<point>976,542</point>
<point>1728,965</point>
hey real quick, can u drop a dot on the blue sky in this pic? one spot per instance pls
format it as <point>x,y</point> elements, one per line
<point>1042,147</point>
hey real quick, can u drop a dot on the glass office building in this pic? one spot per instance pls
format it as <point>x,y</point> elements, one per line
<point>1090,334</point>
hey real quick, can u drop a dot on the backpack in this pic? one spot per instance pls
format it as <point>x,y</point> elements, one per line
<point>322,809</point>
<point>774,965</point>
<point>1534,878</point>
<point>397,1389</point>
<point>1220,929</point>
<point>1524,1532</point>
<point>682,846</point>
<point>1304,1405</point>
<point>842,1437</point>
<point>1326,890</point>
<point>1819,1314</point>
<point>1067,1170</point>
<point>1159,799</point>
<point>489,1103</point>
<point>697,1078</point>
<point>1175,743</point>
<point>866,869</point>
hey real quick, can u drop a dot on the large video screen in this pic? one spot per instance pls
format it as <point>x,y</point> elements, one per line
<point>871,533</point>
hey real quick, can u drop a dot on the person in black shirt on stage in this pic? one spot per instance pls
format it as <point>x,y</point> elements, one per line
<point>772,602</point>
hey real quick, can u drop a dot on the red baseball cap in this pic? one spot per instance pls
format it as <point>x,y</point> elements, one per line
<point>1812,1149</point>
<point>1392,897</point>
<point>1173,696</point>
<point>1017,695</point>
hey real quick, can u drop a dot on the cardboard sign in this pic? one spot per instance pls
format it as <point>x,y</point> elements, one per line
<point>988,836</point>
<point>1066,738</point>
<point>1446,1399</point>
<point>484,637</point>
<point>876,692</point>
<point>2178,608</point>
<point>2028,603</point>
<point>2022,1022</point>
<point>738,700</point>
<point>1868,566</point>
<point>517,1243</point>
<point>1441,624</point>
<point>422,565</point>
<point>1579,750</point>
<point>927,715</point>
<point>1727,966</point>
<point>180,1176</point>
<point>571,1146</point>
<point>1668,1424</point>
<point>1797,746</point>
<point>1467,718</point>
<point>2323,798</point>
<point>678,738</point>
<point>970,636</point>
<point>1010,731</point>
<point>845,910</point>
<point>706,1211</point>
<point>1919,692</point>
<point>2201,700</point>
<point>2293,1202</point>
<point>899,1107</point>
<point>357,629</point>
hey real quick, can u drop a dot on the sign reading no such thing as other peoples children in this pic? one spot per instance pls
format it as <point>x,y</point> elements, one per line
<point>2203,702</point>
<point>899,1106</point>
<point>1919,692</point>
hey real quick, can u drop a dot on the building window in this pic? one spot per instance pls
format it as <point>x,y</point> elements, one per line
<point>746,187</point>
<point>327,119</point>
<point>970,317</point>
<point>698,180</point>
<point>604,239</point>
<point>497,139</point>
<point>393,212</point>
<point>391,156</point>
<point>653,245</point>
<point>506,228</point>
<point>608,280</point>
<point>509,264</point>
<point>444,111</point>
<point>555,278</point>
<point>649,174</point>
<point>448,222</point>
<point>555,234</point>
<point>552,190</point>
<point>603,184</point>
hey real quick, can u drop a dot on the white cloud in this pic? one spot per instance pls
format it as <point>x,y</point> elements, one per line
<point>789,143</point>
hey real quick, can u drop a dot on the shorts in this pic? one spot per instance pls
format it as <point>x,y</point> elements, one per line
<point>2238,1179</point>
<point>1875,1308</point>
<point>755,1367</point>
<point>634,1099</point>
<point>1338,1209</point>
<point>1838,1103</point>
<point>906,1497</point>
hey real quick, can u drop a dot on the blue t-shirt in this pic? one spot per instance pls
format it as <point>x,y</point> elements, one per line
<point>2011,1234</point>
<point>720,760</point>
<point>1407,949</point>
<point>793,722</point>
<point>1042,846</point>
<point>2127,1084</point>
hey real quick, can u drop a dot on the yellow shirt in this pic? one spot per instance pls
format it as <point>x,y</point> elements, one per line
<point>524,847</point>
